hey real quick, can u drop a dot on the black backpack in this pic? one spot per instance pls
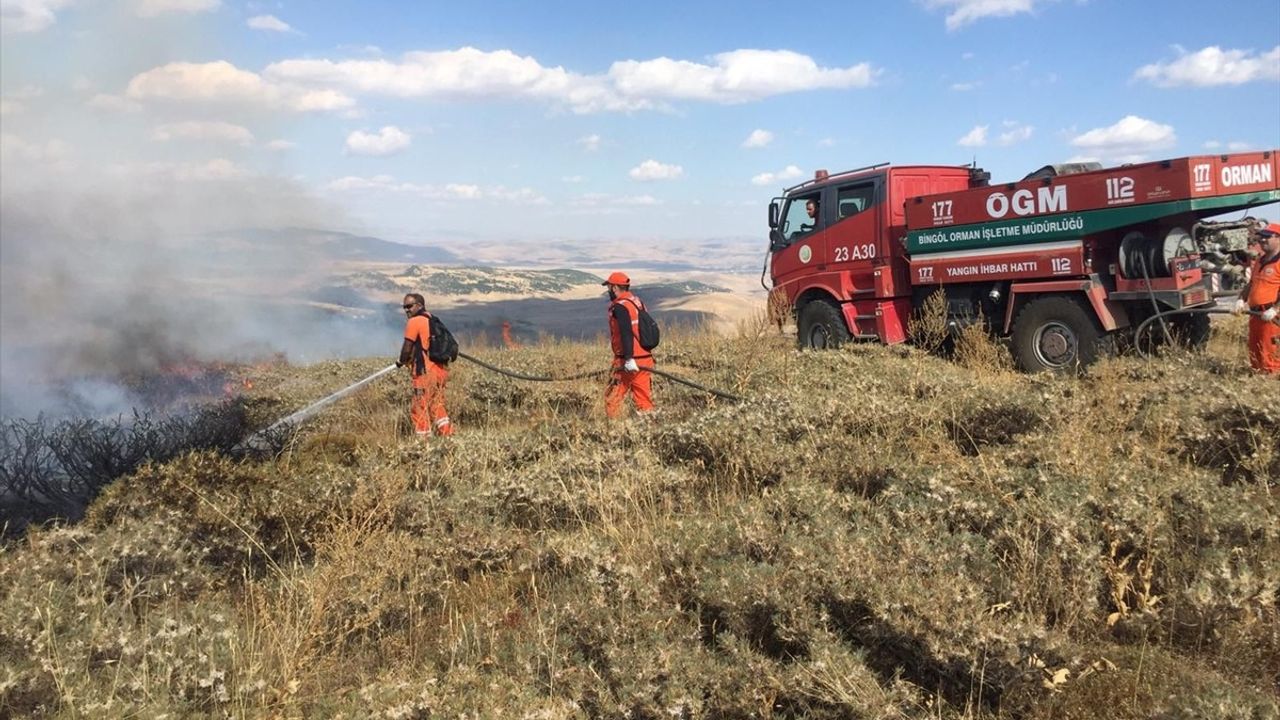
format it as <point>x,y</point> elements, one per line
<point>649,333</point>
<point>441,348</point>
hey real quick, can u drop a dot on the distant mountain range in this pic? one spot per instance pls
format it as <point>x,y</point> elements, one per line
<point>274,247</point>
<point>310,242</point>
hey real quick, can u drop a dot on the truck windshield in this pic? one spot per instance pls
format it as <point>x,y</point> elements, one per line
<point>802,216</point>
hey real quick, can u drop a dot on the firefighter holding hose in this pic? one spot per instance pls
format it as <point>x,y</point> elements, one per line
<point>1261,297</point>
<point>429,374</point>
<point>632,361</point>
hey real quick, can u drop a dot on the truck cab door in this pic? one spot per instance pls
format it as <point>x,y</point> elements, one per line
<point>854,239</point>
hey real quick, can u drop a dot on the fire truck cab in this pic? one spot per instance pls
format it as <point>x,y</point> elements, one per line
<point>838,252</point>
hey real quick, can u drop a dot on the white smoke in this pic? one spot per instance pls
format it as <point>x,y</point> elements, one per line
<point>126,246</point>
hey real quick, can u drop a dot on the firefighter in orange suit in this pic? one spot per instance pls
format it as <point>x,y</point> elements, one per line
<point>427,407</point>
<point>1262,298</point>
<point>631,362</point>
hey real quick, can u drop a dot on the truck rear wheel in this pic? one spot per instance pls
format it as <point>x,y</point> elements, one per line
<point>1058,334</point>
<point>821,326</point>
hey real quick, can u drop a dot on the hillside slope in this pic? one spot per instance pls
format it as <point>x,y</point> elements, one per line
<point>872,533</point>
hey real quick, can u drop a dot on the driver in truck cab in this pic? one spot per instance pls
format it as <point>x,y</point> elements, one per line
<point>810,209</point>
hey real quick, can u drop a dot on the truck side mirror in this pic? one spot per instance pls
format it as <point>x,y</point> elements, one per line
<point>773,215</point>
<point>776,241</point>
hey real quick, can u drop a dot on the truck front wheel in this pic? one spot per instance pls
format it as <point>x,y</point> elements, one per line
<point>821,326</point>
<point>1058,334</point>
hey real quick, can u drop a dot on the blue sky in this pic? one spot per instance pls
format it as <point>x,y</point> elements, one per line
<point>524,121</point>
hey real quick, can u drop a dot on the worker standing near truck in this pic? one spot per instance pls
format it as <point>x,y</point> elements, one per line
<point>1262,298</point>
<point>429,373</point>
<point>631,360</point>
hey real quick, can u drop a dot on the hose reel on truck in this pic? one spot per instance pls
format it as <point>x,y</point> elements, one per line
<point>1139,250</point>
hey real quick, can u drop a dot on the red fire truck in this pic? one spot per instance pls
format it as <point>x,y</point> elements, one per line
<point>1063,263</point>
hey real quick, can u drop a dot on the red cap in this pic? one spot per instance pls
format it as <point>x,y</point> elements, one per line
<point>1270,229</point>
<point>617,278</point>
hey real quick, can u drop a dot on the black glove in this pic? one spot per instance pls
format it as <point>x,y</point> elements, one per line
<point>399,364</point>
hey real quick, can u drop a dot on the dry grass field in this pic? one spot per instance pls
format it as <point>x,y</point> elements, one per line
<point>872,533</point>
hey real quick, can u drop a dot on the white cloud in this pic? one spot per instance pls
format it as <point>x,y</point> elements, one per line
<point>604,204</point>
<point>965,86</point>
<point>113,103</point>
<point>790,172</point>
<point>590,143</point>
<point>463,73</point>
<point>268,22</point>
<point>1127,140</point>
<point>591,200</point>
<point>222,82</point>
<point>13,147</point>
<point>202,130</point>
<point>1232,146</point>
<point>735,77</point>
<point>758,139</point>
<point>572,179</point>
<point>650,170</point>
<point>964,12</point>
<point>29,16</point>
<point>1214,66</point>
<point>1014,133</point>
<point>153,8</point>
<point>216,169</point>
<point>826,142</point>
<point>15,102</point>
<point>449,191</point>
<point>463,191</point>
<point>281,145</point>
<point>353,182</point>
<point>388,141</point>
<point>373,50</point>
<point>977,137</point>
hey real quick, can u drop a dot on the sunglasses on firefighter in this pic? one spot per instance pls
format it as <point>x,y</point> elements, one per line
<point>409,306</point>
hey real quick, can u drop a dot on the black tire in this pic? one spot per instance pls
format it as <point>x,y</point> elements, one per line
<point>1058,334</point>
<point>821,326</point>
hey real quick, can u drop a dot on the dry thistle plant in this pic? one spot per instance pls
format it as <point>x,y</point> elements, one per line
<point>976,349</point>
<point>928,329</point>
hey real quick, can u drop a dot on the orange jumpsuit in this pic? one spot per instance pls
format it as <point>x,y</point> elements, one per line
<point>1264,291</point>
<point>624,337</point>
<point>427,406</point>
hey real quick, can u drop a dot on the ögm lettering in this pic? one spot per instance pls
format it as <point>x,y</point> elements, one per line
<point>1025,202</point>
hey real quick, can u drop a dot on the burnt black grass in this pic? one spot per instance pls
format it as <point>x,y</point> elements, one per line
<point>53,469</point>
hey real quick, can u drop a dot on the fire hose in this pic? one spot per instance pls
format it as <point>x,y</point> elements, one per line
<point>307,412</point>
<point>592,373</point>
<point>1137,333</point>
